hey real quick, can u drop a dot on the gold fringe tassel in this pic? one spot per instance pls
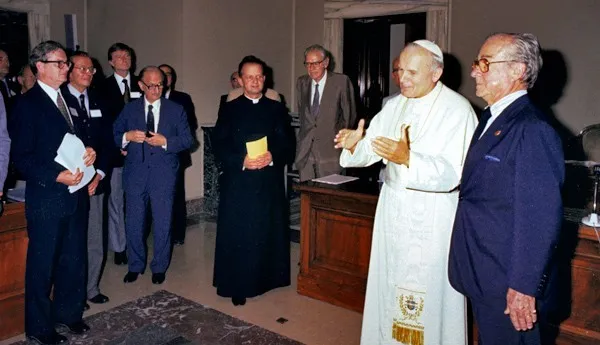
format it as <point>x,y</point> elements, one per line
<point>408,336</point>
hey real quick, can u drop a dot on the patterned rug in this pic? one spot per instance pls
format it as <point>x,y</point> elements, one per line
<point>167,319</point>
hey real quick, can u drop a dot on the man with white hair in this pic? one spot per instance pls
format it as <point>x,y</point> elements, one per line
<point>423,136</point>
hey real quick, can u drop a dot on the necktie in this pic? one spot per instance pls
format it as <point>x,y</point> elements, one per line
<point>485,117</point>
<point>314,109</point>
<point>82,104</point>
<point>149,120</point>
<point>63,110</point>
<point>126,93</point>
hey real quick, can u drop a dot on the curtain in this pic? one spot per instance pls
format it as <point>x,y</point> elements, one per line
<point>39,28</point>
<point>333,38</point>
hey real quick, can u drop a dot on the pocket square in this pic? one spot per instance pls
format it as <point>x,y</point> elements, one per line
<point>492,158</point>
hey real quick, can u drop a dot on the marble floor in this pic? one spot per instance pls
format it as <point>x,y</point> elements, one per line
<point>190,276</point>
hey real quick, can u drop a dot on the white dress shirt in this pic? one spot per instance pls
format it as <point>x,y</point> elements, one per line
<point>321,88</point>
<point>52,93</point>
<point>120,82</point>
<point>155,112</point>
<point>497,108</point>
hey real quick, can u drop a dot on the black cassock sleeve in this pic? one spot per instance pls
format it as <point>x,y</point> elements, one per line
<point>225,149</point>
<point>283,151</point>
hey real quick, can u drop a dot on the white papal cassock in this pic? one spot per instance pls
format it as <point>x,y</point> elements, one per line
<point>409,299</point>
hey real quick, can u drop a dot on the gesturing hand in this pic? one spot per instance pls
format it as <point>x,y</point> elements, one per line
<point>156,139</point>
<point>348,138</point>
<point>394,151</point>
<point>135,136</point>
<point>521,309</point>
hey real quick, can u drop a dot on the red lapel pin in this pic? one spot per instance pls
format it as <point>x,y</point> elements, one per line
<point>497,133</point>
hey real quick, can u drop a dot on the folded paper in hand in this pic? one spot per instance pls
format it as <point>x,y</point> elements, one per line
<point>257,147</point>
<point>70,155</point>
<point>335,179</point>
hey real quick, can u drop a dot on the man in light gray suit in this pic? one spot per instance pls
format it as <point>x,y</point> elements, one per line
<point>4,145</point>
<point>325,105</point>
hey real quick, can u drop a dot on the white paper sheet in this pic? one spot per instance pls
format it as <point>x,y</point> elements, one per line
<point>70,155</point>
<point>335,179</point>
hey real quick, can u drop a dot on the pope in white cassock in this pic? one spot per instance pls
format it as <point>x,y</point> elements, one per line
<point>423,135</point>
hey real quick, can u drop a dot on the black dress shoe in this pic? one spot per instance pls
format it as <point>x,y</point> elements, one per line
<point>130,277</point>
<point>86,307</point>
<point>238,301</point>
<point>158,278</point>
<point>77,328</point>
<point>99,299</point>
<point>121,258</point>
<point>53,339</point>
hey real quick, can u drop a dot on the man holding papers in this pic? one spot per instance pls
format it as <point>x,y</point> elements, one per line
<point>56,218</point>
<point>253,141</point>
<point>153,130</point>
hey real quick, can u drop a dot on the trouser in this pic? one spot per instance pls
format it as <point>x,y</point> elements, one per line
<point>116,216</point>
<point>95,244</point>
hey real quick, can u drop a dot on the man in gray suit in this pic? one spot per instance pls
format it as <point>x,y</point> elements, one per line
<point>4,145</point>
<point>325,105</point>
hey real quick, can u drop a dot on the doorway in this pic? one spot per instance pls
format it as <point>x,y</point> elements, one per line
<point>370,45</point>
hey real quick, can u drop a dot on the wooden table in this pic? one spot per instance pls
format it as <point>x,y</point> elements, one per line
<point>335,237</point>
<point>13,251</point>
<point>335,241</point>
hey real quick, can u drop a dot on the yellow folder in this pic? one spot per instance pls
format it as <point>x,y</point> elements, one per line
<point>257,147</point>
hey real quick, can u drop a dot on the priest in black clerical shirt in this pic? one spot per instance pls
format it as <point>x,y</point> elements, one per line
<point>253,247</point>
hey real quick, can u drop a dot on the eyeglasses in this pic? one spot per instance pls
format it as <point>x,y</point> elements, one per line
<point>395,70</point>
<point>90,70</point>
<point>59,63</point>
<point>312,64</point>
<point>152,87</point>
<point>484,65</point>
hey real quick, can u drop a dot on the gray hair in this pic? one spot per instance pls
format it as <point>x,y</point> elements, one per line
<point>41,51</point>
<point>436,61</point>
<point>316,48</point>
<point>525,48</point>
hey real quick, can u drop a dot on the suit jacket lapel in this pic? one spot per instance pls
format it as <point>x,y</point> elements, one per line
<point>51,108</point>
<point>307,100</point>
<point>162,117</point>
<point>492,136</point>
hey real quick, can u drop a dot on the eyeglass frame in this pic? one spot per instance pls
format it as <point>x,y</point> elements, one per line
<point>153,87</point>
<point>477,64</point>
<point>313,64</point>
<point>59,63</point>
<point>91,70</point>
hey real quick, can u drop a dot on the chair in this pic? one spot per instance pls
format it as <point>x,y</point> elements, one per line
<point>590,141</point>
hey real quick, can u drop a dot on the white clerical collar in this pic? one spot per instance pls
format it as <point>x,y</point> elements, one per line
<point>254,100</point>
<point>497,108</point>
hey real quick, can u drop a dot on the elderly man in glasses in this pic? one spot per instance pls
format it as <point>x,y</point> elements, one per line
<point>56,218</point>
<point>89,113</point>
<point>325,105</point>
<point>153,130</point>
<point>423,136</point>
<point>510,210</point>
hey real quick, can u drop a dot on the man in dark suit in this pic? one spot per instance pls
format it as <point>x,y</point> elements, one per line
<point>153,130</point>
<point>118,90</point>
<point>325,105</point>
<point>8,88</point>
<point>510,210</point>
<point>89,114</point>
<point>185,156</point>
<point>56,219</point>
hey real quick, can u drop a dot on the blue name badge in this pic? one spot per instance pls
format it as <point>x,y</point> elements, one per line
<point>492,158</point>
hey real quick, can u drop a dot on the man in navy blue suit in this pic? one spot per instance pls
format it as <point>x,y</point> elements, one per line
<point>510,210</point>
<point>90,115</point>
<point>56,219</point>
<point>153,130</point>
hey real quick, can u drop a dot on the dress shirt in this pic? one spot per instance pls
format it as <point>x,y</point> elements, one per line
<point>76,93</point>
<point>52,93</point>
<point>321,88</point>
<point>120,82</point>
<point>155,112</point>
<point>497,108</point>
